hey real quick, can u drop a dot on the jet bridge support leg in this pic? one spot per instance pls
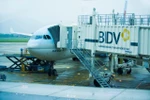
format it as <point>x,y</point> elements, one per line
<point>112,64</point>
<point>92,61</point>
<point>92,64</point>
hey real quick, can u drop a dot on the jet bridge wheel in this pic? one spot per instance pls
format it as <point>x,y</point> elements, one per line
<point>129,71</point>
<point>120,71</point>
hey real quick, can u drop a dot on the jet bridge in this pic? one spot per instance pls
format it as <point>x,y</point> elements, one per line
<point>68,36</point>
<point>113,34</point>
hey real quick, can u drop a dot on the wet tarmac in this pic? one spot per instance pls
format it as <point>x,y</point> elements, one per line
<point>138,79</point>
<point>69,73</point>
<point>10,48</point>
<point>74,74</point>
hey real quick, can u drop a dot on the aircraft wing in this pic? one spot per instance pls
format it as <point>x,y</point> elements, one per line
<point>13,32</point>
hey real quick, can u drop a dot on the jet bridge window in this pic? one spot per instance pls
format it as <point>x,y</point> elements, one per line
<point>48,37</point>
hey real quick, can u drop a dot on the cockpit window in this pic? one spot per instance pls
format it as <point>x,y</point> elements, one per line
<point>46,37</point>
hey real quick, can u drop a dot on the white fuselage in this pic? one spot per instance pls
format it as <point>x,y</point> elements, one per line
<point>41,45</point>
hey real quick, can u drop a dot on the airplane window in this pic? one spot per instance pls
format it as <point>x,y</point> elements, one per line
<point>48,37</point>
<point>38,37</point>
<point>44,37</point>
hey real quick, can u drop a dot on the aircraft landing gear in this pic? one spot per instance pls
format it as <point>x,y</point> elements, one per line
<point>51,70</point>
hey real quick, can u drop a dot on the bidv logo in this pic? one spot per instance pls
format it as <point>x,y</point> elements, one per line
<point>108,37</point>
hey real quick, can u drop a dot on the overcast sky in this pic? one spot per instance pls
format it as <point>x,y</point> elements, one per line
<point>54,11</point>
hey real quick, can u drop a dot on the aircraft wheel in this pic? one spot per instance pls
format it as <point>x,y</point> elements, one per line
<point>55,72</point>
<point>129,71</point>
<point>120,71</point>
<point>49,72</point>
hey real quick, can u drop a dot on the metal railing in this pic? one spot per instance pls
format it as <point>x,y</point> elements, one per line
<point>94,66</point>
<point>116,19</point>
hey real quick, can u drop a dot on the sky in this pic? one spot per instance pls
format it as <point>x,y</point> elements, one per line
<point>55,11</point>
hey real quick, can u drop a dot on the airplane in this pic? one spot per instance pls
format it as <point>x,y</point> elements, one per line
<point>42,45</point>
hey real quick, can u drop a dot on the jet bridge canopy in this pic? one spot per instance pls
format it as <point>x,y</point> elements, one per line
<point>111,33</point>
<point>55,32</point>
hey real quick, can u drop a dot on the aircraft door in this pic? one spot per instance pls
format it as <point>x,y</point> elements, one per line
<point>69,35</point>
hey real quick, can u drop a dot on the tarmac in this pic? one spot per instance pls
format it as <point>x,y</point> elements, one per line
<point>73,73</point>
<point>34,91</point>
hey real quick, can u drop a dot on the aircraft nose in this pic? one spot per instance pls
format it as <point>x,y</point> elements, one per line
<point>33,44</point>
<point>37,47</point>
<point>33,47</point>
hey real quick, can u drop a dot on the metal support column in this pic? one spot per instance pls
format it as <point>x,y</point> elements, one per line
<point>94,31</point>
<point>112,64</point>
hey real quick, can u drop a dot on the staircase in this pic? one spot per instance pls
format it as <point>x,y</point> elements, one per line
<point>96,67</point>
